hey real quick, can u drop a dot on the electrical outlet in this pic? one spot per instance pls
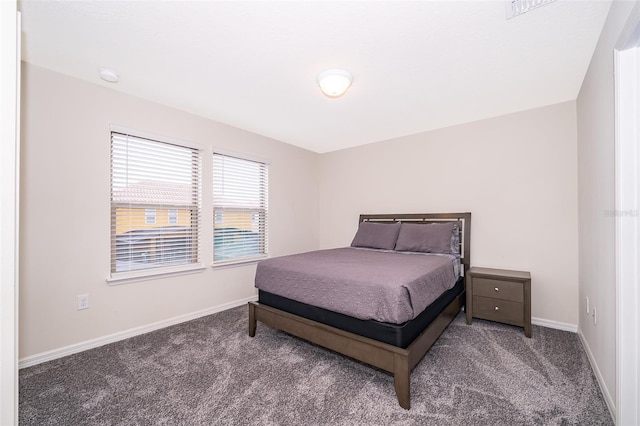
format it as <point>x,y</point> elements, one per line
<point>587,304</point>
<point>83,301</point>
<point>595,317</point>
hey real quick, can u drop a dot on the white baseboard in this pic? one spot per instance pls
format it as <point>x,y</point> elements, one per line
<point>100,341</point>
<point>554,324</point>
<point>603,387</point>
<point>121,335</point>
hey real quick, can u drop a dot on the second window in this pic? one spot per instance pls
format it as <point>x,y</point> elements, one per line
<point>240,209</point>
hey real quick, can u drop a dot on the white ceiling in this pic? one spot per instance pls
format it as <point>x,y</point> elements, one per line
<point>417,65</point>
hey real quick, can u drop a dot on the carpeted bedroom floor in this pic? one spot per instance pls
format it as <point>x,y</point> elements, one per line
<point>209,371</point>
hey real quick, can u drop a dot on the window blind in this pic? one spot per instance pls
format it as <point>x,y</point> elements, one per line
<point>155,204</point>
<point>240,208</point>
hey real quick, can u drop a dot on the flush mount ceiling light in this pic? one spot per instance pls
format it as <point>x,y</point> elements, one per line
<point>334,82</point>
<point>109,75</point>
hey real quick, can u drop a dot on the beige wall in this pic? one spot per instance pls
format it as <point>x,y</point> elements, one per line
<point>65,170</point>
<point>517,174</point>
<point>596,195</point>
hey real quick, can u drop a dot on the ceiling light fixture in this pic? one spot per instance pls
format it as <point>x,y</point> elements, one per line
<point>109,75</point>
<point>334,82</point>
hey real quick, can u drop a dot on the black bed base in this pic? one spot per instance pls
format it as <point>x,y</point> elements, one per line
<point>399,335</point>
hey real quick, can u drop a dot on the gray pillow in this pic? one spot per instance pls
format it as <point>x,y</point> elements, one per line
<point>426,238</point>
<point>376,235</point>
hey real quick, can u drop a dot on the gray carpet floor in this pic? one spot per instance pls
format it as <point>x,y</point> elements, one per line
<point>209,371</point>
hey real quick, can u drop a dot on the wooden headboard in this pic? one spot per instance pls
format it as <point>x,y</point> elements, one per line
<point>462,219</point>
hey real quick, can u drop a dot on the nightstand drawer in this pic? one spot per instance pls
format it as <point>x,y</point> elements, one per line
<point>498,289</point>
<point>498,310</point>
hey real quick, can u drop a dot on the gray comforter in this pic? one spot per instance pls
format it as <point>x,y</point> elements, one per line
<point>385,286</point>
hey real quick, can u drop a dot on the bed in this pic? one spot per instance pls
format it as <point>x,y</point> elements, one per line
<point>348,307</point>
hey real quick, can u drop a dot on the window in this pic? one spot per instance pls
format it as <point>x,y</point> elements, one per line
<point>150,216</point>
<point>173,217</point>
<point>155,204</point>
<point>239,208</point>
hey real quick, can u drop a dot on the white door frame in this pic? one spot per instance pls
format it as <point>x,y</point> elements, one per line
<point>627,175</point>
<point>9,209</point>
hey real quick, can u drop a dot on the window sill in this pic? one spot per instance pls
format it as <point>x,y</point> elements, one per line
<point>234,263</point>
<point>129,277</point>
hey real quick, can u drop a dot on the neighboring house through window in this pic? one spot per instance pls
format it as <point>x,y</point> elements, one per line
<point>240,209</point>
<point>155,204</point>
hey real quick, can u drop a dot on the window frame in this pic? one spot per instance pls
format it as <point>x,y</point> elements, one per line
<point>121,277</point>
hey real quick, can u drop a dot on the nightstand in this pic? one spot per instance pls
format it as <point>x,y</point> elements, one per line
<point>499,295</point>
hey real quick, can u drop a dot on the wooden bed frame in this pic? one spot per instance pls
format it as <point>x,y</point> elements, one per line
<point>393,359</point>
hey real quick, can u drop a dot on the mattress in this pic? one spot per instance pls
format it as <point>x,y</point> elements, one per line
<point>380,285</point>
<point>399,335</point>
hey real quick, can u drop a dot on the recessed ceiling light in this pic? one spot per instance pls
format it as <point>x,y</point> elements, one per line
<point>109,75</point>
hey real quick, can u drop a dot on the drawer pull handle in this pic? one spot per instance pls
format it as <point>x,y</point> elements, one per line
<point>496,289</point>
<point>496,308</point>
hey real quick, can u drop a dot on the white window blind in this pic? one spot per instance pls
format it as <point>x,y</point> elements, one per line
<point>153,176</point>
<point>240,209</point>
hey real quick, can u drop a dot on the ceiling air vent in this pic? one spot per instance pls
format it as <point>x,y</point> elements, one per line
<point>518,7</point>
